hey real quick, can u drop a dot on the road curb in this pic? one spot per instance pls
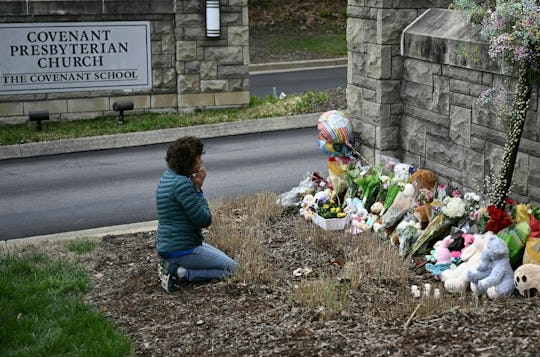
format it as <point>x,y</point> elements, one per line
<point>14,244</point>
<point>151,137</point>
<point>260,68</point>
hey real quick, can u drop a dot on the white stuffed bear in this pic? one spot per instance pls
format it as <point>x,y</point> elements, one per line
<point>455,280</point>
<point>527,279</point>
<point>493,275</point>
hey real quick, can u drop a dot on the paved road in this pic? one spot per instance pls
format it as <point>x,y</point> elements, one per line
<point>68,192</point>
<point>297,81</point>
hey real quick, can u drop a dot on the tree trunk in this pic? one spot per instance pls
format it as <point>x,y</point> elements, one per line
<point>513,136</point>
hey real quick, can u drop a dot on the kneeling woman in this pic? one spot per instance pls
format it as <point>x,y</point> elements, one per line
<point>182,213</point>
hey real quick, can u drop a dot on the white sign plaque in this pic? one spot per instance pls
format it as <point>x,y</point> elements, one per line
<point>74,56</point>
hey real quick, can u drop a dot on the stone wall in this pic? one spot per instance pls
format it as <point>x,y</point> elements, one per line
<point>189,70</point>
<point>431,118</point>
<point>376,68</point>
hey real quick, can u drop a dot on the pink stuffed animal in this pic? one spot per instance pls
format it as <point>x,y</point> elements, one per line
<point>442,253</point>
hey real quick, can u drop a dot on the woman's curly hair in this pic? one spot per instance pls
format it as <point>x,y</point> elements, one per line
<point>183,153</point>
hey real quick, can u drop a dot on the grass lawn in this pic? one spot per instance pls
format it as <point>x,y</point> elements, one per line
<point>43,312</point>
<point>266,107</point>
<point>331,44</point>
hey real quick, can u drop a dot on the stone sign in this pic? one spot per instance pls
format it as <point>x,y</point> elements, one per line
<point>81,56</point>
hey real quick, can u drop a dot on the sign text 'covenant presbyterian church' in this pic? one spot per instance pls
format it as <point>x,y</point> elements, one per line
<point>78,56</point>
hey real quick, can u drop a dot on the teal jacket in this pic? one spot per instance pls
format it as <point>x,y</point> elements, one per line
<point>182,213</point>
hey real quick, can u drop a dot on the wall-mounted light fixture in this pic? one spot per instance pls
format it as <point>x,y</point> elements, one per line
<point>212,18</point>
<point>120,107</point>
<point>38,116</point>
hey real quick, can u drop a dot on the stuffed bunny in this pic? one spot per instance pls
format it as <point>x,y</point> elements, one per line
<point>443,258</point>
<point>493,275</point>
<point>455,280</point>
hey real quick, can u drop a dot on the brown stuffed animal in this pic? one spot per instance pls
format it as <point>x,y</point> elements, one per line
<point>423,178</point>
<point>423,214</point>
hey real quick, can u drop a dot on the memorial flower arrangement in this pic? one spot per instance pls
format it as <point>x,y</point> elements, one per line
<point>454,207</point>
<point>330,209</point>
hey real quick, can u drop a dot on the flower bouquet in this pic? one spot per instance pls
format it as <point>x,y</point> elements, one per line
<point>329,215</point>
<point>452,210</point>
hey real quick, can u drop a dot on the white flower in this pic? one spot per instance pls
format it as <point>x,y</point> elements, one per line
<point>454,207</point>
<point>471,196</point>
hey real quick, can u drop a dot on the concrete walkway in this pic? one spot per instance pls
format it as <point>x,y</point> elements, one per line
<point>157,137</point>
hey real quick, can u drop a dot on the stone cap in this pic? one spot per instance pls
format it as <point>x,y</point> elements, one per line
<point>447,37</point>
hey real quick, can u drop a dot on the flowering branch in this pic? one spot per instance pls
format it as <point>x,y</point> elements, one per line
<point>512,28</point>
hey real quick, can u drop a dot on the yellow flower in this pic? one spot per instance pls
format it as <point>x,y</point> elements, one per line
<point>326,206</point>
<point>338,209</point>
<point>341,215</point>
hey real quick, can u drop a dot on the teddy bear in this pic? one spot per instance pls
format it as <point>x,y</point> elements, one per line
<point>423,179</point>
<point>373,217</point>
<point>527,279</point>
<point>455,279</point>
<point>443,257</point>
<point>308,202</point>
<point>493,275</point>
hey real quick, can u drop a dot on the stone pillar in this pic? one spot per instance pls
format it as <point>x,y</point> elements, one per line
<point>375,71</point>
<point>212,72</point>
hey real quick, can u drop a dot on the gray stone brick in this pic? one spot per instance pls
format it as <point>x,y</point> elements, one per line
<point>362,12</point>
<point>397,67</point>
<point>215,85</point>
<point>485,115</point>
<point>459,86</point>
<point>462,100</point>
<point>188,83</point>
<point>419,71</point>
<point>387,138</point>
<point>388,91</point>
<point>441,95</point>
<point>364,82</point>
<point>226,55</point>
<point>417,94</point>
<point>391,22</point>
<point>489,135</point>
<point>227,72</point>
<point>445,153</point>
<point>209,70</point>
<point>192,67</point>
<point>238,35</point>
<point>365,133</point>
<point>534,172</point>
<point>426,115</point>
<point>379,61</point>
<point>369,95</point>
<point>358,64</point>
<point>354,99</point>
<point>413,135</point>
<point>474,168</point>
<point>460,125</point>
<point>463,74</point>
<point>443,172</point>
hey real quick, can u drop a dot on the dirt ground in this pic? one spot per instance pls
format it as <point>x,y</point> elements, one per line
<point>258,319</point>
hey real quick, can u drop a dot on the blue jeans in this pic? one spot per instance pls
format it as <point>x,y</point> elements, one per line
<point>206,263</point>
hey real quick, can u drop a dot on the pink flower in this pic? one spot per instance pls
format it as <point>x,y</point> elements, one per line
<point>521,53</point>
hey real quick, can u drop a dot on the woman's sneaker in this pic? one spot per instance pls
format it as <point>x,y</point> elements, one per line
<point>167,275</point>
